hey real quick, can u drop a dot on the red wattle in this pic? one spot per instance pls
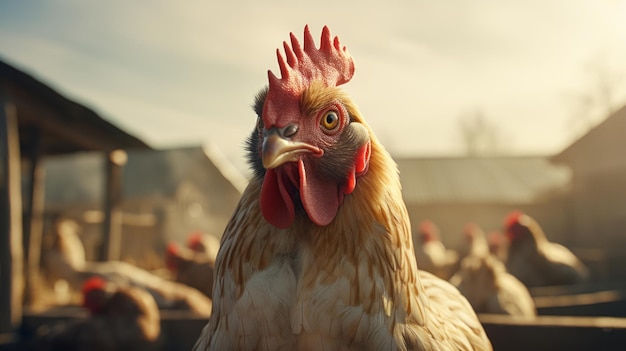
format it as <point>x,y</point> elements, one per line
<point>320,198</point>
<point>276,203</point>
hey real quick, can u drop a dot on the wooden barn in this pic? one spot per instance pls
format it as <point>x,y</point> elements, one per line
<point>597,201</point>
<point>452,191</point>
<point>37,122</point>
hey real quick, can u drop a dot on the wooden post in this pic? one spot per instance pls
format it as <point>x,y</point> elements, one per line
<point>33,223</point>
<point>112,225</point>
<point>11,258</point>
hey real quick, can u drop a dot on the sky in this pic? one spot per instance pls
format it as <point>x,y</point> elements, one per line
<point>182,73</point>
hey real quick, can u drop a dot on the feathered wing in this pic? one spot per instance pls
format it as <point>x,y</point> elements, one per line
<point>451,315</point>
<point>565,267</point>
<point>512,298</point>
<point>433,257</point>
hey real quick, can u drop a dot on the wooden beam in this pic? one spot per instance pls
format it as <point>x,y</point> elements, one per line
<point>33,221</point>
<point>112,225</point>
<point>554,333</point>
<point>11,258</point>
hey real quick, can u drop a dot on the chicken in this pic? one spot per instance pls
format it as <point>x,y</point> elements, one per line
<point>203,243</point>
<point>63,254</point>
<point>65,262</point>
<point>498,245</point>
<point>489,288</point>
<point>121,318</point>
<point>431,254</point>
<point>318,254</point>
<point>536,261</point>
<point>192,268</point>
<point>474,241</point>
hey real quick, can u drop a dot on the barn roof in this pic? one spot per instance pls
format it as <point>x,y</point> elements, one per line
<point>62,125</point>
<point>600,148</point>
<point>504,180</point>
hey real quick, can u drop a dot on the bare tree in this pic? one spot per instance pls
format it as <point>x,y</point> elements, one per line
<point>600,99</point>
<point>480,136</point>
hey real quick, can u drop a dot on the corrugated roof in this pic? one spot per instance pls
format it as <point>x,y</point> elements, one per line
<point>511,180</point>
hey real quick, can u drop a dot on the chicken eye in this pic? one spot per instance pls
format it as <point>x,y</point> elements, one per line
<point>330,120</point>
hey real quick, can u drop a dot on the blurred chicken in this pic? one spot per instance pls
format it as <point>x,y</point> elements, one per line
<point>66,261</point>
<point>122,318</point>
<point>190,267</point>
<point>489,288</point>
<point>536,261</point>
<point>474,241</point>
<point>431,254</point>
<point>206,244</point>
<point>498,245</point>
<point>63,253</point>
<point>318,254</point>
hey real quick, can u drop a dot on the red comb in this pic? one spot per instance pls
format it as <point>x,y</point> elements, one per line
<point>331,64</point>
<point>94,283</point>
<point>469,228</point>
<point>427,226</point>
<point>172,249</point>
<point>194,239</point>
<point>512,218</point>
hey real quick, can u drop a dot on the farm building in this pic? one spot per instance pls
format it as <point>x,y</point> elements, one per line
<point>166,194</point>
<point>37,122</point>
<point>597,201</point>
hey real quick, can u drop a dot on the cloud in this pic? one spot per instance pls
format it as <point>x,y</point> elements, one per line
<point>179,72</point>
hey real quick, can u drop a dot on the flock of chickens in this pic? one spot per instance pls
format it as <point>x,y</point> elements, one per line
<point>495,272</point>
<point>319,253</point>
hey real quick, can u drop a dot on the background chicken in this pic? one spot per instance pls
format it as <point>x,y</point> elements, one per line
<point>192,268</point>
<point>206,244</point>
<point>431,254</point>
<point>536,261</point>
<point>318,254</point>
<point>498,245</point>
<point>65,261</point>
<point>489,288</point>
<point>121,318</point>
<point>474,241</point>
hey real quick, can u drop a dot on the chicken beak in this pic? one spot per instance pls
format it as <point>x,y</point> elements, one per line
<point>278,150</point>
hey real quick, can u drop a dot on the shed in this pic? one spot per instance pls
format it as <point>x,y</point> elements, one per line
<point>36,121</point>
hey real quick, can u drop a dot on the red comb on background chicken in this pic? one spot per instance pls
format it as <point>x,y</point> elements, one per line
<point>536,261</point>
<point>428,231</point>
<point>194,240</point>
<point>318,254</point>
<point>172,251</point>
<point>474,241</point>
<point>205,244</point>
<point>189,267</point>
<point>94,294</point>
